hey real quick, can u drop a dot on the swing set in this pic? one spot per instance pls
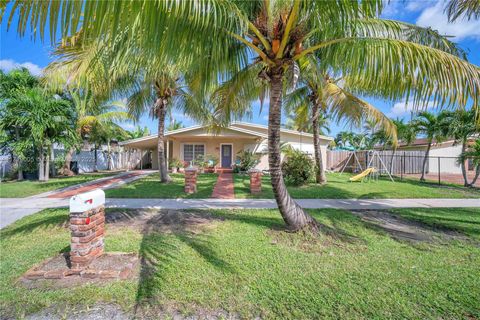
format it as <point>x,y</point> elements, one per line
<point>369,172</point>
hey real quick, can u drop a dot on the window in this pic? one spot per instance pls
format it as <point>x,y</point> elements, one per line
<point>191,151</point>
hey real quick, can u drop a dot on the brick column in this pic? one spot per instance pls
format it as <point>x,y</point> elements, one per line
<point>255,181</point>
<point>87,226</point>
<point>190,180</point>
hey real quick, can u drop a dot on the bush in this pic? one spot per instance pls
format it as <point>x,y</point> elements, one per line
<point>211,160</point>
<point>175,163</point>
<point>246,160</point>
<point>297,168</point>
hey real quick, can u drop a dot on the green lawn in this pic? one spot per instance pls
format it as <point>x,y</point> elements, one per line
<point>339,187</point>
<point>242,262</point>
<point>149,187</point>
<point>20,189</point>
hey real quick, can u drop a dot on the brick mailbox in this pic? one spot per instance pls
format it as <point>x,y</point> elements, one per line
<point>190,180</point>
<point>255,181</point>
<point>87,226</point>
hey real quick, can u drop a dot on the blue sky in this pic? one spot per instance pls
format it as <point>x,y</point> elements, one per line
<point>35,55</point>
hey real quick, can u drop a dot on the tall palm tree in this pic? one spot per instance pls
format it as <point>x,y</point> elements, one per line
<point>434,127</point>
<point>406,134</point>
<point>319,95</point>
<point>151,85</point>
<point>388,59</point>
<point>462,127</point>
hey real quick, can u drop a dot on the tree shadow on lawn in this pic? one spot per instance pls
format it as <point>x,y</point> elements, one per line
<point>167,235</point>
<point>45,219</point>
<point>408,231</point>
<point>164,238</point>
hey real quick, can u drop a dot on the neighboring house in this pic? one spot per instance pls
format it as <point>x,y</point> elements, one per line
<point>448,151</point>
<point>186,143</point>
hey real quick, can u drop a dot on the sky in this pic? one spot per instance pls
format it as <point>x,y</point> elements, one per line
<point>34,54</point>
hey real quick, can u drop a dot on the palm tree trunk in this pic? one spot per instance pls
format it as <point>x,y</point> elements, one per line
<point>425,159</point>
<point>161,106</point>
<point>66,165</point>
<point>477,173</point>
<point>41,165</point>
<point>18,160</point>
<point>95,160</point>
<point>462,165</point>
<point>47,165</point>
<point>291,212</point>
<point>320,176</point>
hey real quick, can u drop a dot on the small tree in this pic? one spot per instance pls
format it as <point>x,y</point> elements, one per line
<point>434,127</point>
<point>297,167</point>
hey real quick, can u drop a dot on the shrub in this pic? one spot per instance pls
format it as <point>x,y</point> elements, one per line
<point>246,160</point>
<point>211,160</point>
<point>175,163</point>
<point>297,168</point>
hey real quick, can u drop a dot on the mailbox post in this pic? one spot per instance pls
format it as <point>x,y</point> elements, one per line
<point>87,226</point>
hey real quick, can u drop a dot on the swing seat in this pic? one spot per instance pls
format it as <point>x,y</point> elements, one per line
<point>363,175</point>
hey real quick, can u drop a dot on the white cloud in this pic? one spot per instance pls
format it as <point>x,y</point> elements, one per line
<point>9,64</point>
<point>127,126</point>
<point>435,18</point>
<point>402,109</point>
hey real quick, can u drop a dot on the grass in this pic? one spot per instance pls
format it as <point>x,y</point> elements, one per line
<point>468,222</point>
<point>149,187</point>
<point>339,187</point>
<point>21,189</point>
<point>245,265</point>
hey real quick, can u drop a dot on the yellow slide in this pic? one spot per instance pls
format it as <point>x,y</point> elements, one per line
<point>363,174</point>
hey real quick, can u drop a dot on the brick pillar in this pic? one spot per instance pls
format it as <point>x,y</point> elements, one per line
<point>190,180</point>
<point>255,181</point>
<point>87,226</point>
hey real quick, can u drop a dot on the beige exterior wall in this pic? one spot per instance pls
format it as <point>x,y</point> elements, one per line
<point>212,145</point>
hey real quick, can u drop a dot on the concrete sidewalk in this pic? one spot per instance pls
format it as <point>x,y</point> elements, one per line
<point>14,209</point>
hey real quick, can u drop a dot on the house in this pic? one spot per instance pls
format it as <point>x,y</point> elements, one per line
<point>186,143</point>
<point>445,153</point>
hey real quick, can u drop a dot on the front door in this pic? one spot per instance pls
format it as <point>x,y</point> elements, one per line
<point>226,155</point>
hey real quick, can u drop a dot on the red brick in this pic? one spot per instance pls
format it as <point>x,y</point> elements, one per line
<point>109,274</point>
<point>54,274</point>
<point>34,274</point>
<point>87,238</point>
<point>90,274</point>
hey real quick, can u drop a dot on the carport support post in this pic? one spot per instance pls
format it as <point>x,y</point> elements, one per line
<point>87,226</point>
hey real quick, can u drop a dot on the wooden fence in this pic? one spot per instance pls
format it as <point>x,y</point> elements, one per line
<point>399,162</point>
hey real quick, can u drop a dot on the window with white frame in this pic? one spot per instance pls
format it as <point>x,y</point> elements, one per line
<point>191,151</point>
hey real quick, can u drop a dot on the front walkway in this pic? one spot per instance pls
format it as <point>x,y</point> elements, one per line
<point>14,209</point>
<point>224,187</point>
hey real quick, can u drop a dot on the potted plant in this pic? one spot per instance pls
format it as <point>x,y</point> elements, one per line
<point>175,164</point>
<point>210,162</point>
<point>200,163</point>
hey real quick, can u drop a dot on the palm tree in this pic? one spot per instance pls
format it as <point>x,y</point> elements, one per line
<point>138,132</point>
<point>462,127</point>
<point>434,127</point>
<point>151,85</point>
<point>45,119</point>
<point>322,95</point>
<point>175,125</point>
<point>92,112</point>
<point>12,84</point>
<point>388,59</point>
<point>473,153</point>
